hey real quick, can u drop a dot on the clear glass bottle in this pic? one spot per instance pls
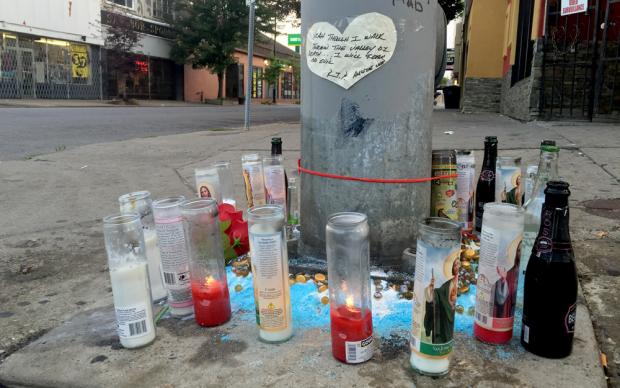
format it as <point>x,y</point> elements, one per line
<point>174,256</point>
<point>208,272</point>
<point>124,243</point>
<point>443,191</point>
<point>252,166</point>
<point>498,272</point>
<point>141,202</point>
<point>293,231</point>
<point>348,260</point>
<point>508,185</point>
<point>275,181</point>
<point>547,170</point>
<point>530,178</point>
<point>208,183</point>
<point>466,187</point>
<point>226,182</point>
<point>435,292</point>
<point>270,272</point>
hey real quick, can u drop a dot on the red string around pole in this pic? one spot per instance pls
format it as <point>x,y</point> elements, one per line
<point>370,180</point>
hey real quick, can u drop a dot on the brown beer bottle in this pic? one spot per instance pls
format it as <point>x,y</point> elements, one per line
<point>485,189</point>
<point>550,289</point>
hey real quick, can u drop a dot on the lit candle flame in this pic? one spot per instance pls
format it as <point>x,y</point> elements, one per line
<point>209,281</point>
<point>349,301</point>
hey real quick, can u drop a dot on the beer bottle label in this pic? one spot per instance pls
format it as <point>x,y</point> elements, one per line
<point>435,292</point>
<point>571,317</point>
<point>498,275</point>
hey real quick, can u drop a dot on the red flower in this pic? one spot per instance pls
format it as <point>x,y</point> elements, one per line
<point>234,231</point>
<point>229,213</point>
<point>238,234</point>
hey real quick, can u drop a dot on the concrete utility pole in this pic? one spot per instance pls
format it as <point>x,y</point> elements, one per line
<point>250,66</point>
<point>367,115</point>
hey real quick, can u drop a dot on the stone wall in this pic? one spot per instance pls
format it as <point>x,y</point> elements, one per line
<point>522,100</point>
<point>481,95</point>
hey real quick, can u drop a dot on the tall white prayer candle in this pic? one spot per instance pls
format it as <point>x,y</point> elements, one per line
<point>124,241</point>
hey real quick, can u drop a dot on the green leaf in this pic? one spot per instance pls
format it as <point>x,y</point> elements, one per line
<point>224,225</point>
<point>229,253</point>
<point>225,241</point>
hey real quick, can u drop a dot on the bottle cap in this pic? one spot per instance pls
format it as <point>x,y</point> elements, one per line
<point>557,188</point>
<point>276,140</point>
<point>547,142</point>
<point>549,148</point>
<point>490,139</point>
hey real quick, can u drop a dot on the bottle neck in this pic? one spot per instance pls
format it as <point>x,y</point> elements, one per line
<point>490,156</point>
<point>553,242</point>
<point>276,149</point>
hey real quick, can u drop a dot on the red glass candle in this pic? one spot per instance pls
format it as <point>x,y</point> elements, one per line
<point>348,325</point>
<point>211,302</point>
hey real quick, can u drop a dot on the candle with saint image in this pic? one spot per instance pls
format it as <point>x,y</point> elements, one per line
<point>349,278</point>
<point>208,276</point>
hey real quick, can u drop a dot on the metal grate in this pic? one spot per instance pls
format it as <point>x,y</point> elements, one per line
<point>34,67</point>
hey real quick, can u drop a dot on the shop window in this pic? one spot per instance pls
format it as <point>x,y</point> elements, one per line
<point>124,3</point>
<point>257,82</point>
<point>287,86</point>
<point>58,64</point>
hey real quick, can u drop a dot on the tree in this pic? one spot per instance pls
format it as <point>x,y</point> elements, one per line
<point>452,8</point>
<point>209,31</point>
<point>272,73</point>
<point>120,40</point>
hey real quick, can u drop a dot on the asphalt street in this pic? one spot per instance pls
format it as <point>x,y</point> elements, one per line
<point>26,132</point>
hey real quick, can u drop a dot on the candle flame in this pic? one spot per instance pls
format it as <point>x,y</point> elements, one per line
<point>349,301</point>
<point>209,281</point>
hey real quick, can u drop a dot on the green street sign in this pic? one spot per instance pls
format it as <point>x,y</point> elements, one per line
<point>294,39</point>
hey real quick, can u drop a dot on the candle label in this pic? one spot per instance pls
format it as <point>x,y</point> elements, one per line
<point>275,189</point>
<point>443,193</point>
<point>508,187</point>
<point>207,184</point>
<point>498,274</point>
<point>465,184</point>
<point>435,292</point>
<point>254,184</point>
<point>174,261</point>
<point>269,281</point>
<point>132,321</point>
<point>359,351</point>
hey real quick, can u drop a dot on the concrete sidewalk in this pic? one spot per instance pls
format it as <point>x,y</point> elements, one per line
<point>55,319</point>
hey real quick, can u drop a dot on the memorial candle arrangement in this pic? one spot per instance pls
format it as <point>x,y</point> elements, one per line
<point>348,263</point>
<point>226,182</point>
<point>208,183</point>
<point>270,272</point>
<point>124,243</point>
<point>498,272</point>
<point>208,275</point>
<point>253,179</point>
<point>140,202</point>
<point>174,256</point>
<point>435,292</point>
<point>275,182</point>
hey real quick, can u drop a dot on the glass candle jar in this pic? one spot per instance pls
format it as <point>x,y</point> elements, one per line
<point>348,261</point>
<point>498,272</point>
<point>252,166</point>
<point>465,188</point>
<point>208,183</point>
<point>124,243</point>
<point>508,187</point>
<point>293,232</point>
<point>270,272</point>
<point>435,292</point>
<point>226,182</point>
<point>140,202</point>
<point>174,256</point>
<point>206,255</point>
<point>275,186</point>
<point>443,191</point>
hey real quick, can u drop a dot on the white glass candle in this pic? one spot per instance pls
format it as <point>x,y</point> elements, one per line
<point>270,272</point>
<point>124,241</point>
<point>141,202</point>
<point>226,183</point>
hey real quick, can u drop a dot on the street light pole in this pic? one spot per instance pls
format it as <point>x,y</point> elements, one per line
<point>248,79</point>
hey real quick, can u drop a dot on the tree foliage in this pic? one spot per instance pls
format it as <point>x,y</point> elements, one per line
<point>452,8</point>
<point>209,31</point>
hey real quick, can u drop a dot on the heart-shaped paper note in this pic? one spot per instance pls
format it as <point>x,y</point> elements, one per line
<point>345,58</point>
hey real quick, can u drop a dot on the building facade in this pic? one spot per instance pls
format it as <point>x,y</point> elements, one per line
<point>542,59</point>
<point>202,85</point>
<point>155,75</point>
<point>50,49</point>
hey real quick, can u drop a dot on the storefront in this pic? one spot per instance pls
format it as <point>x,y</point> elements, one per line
<point>38,67</point>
